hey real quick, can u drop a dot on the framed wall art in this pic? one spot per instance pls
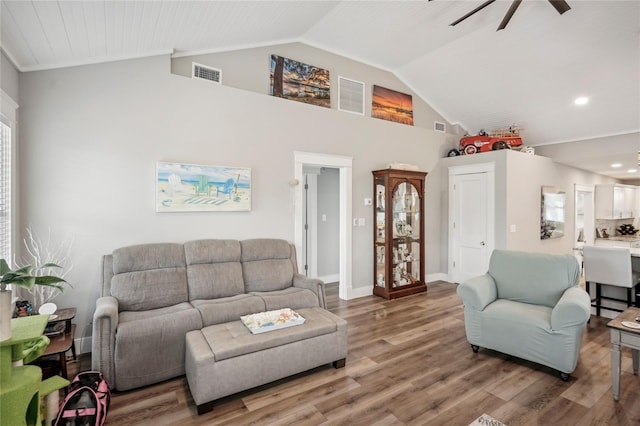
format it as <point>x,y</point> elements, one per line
<point>299,82</point>
<point>552,217</point>
<point>197,188</point>
<point>387,104</point>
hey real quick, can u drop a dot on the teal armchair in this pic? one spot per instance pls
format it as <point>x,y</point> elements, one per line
<point>528,305</point>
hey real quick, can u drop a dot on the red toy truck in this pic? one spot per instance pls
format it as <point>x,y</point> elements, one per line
<point>505,138</point>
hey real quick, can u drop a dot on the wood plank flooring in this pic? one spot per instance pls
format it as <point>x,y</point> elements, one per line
<point>409,364</point>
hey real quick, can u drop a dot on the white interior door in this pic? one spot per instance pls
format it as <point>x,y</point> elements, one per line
<point>471,224</point>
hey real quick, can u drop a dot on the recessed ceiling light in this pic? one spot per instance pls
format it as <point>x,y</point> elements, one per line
<point>616,165</point>
<point>632,171</point>
<point>582,100</point>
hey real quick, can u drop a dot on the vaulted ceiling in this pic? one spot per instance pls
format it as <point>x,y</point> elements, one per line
<point>527,74</point>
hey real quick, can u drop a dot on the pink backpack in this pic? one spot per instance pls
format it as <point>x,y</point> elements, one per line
<point>86,402</point>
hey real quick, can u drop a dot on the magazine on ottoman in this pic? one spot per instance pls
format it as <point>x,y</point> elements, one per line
<point>271,320</point>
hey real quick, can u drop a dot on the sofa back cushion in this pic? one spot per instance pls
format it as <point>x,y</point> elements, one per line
<point>535,278</point>
<point>267,264</point>
<point>213,268</point>
<point>149,276</point>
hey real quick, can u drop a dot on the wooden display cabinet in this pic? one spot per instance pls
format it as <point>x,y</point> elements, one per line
<point>398,233</point>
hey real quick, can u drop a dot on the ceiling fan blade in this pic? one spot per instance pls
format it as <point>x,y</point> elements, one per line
<point>509,14</point>
<point>477,9</point>
<point>560,5</point>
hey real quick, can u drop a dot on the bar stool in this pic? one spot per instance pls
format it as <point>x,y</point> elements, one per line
<point>609,266</point>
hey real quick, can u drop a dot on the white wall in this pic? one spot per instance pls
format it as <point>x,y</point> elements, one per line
<point>519,178</point>
<point>526,174</point>
<point>248,69</point>
<point>8,77</point>
<point>91,137</point>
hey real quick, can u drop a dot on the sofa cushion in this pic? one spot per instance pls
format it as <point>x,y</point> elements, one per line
<point>216,311</point>
<point>213,268</point>
<point>150,345</point>
<point>535,278</point>
<point>294,298</point>
<point>144,257</point>
<point>149,276</point>
<point>267,264</point>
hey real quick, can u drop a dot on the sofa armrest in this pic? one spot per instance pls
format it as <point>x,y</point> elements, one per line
<point>573,308</point>
<point>103,341</point>
<point>478,292</point>
<point>313,284</point>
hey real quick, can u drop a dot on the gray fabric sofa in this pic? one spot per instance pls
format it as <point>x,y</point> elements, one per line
<point>154,294</point>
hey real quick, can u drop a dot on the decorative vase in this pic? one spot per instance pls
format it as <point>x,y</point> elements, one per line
<point>5,315</point>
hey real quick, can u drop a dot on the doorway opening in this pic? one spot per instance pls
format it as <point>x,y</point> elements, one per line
<point>321,229</point>
<point>305,161</point>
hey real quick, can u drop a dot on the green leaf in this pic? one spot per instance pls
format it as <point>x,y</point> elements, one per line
<point>4,267</point>
<point>24,277</point>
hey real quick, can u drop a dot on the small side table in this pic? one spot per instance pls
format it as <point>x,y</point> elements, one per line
<point>61,343</point>
<point>623,336</point>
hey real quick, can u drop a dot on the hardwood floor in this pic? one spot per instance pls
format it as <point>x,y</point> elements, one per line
<point>409,364</point>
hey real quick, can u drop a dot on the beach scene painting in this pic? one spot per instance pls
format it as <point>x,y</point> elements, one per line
<point>299,82</point>
<point>390,105</point>
<point>197,188</point>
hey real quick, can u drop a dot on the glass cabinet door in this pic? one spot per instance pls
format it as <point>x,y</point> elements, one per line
<point>380,237</point>
<point>406,235</point>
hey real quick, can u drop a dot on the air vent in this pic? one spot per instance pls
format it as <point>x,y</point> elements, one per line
<point>202,72</point>
<point>351,95</point>
<point>439,127</point>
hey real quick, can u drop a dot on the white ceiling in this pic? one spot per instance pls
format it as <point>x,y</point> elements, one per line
<point>527,74</point>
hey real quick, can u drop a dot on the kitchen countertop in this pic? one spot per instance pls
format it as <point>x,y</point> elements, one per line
<point>627,238</point>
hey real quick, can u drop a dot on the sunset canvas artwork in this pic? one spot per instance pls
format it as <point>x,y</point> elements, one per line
<point>390,105</point>
<point>299,82</point>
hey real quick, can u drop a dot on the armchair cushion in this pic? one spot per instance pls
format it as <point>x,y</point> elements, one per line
<point>478,292</point>
<point>572,309</point>
<point>547,276</point>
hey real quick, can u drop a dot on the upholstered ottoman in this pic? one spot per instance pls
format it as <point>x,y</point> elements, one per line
<point>223,359</point>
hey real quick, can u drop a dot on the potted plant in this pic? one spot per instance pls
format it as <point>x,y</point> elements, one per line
<point>25,277</point>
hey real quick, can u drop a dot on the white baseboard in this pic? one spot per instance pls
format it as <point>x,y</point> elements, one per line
<point>438,276</point>
<point>332,278</point>
<point>357,292</point>
<point>83,345</point>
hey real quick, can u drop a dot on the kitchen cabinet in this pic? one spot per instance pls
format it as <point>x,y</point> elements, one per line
<point>615,201</point>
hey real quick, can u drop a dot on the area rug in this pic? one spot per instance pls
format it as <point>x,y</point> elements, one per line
<point>486,420</point>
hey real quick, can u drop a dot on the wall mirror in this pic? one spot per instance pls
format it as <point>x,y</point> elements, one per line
<point>552,217</point>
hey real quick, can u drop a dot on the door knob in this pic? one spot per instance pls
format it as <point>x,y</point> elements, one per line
<point>482,243</point>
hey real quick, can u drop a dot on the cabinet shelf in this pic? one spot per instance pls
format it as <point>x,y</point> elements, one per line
<point>399,266</point>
